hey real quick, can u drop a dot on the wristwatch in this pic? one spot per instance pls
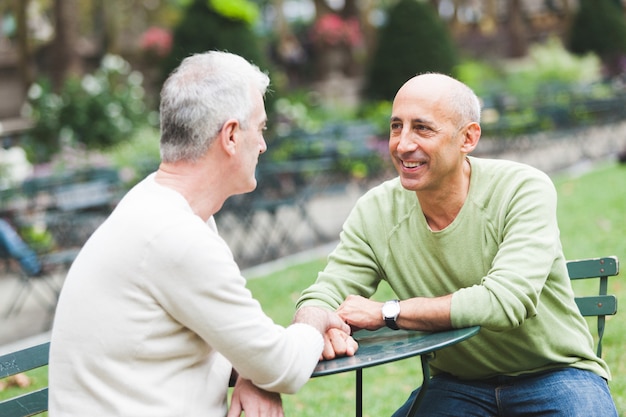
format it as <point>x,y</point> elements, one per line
<point>391,310</point>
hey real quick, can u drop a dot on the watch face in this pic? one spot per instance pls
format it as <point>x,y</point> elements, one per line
<point>391,309</point>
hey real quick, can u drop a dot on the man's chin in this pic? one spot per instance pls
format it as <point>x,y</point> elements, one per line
<point>410,184</point>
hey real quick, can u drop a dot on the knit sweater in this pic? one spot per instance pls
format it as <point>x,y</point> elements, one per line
<point>153,313</point>
<point>501,258</point>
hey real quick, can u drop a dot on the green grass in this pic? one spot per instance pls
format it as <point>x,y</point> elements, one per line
<point>592,218</point>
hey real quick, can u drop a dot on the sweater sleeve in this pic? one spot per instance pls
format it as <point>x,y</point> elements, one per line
<point>200,285</point>
<point>522,218</point>
<point>352,268</point>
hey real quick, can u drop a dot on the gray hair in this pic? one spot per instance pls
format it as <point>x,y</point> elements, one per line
<point>199,96</point>
<point>465,103</point>
<point>460,98</point>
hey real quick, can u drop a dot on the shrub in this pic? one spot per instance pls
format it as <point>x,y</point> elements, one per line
<point>137,157</point>
<point>215,25</point>
<point>94,112</point>
<point>599,27</point>
<point>413,40</point>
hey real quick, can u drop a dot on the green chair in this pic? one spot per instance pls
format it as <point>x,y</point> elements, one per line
<point>34,402</point>
<point>600,305</point>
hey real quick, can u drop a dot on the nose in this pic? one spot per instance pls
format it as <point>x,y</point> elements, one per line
<point>263,146</point>
<point>406,142</point>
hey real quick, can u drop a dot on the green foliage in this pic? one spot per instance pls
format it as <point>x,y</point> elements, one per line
<point>204,27</point>
<point>37,238</point>
<point>413,40</point>
<point>599,27</point>
<point>378,113</point>
<point>95,112</point>
<point>237,10</point>
<point>549,65</point>
<point>550,88</point>
<point>483,77</point>
<point>303,130</point>
<point>137,157</point>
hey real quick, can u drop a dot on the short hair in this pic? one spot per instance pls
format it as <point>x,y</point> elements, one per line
<point>199,96</point>
<point>461,99</point>
<point>465,103</point>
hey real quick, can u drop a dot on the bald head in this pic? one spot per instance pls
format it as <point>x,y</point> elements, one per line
<point>460,101</point>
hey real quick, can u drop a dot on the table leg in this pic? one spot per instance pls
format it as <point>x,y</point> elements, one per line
<point>425,383</point>
<point>359,392</point>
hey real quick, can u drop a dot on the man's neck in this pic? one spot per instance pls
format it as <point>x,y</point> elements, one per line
<point>198,186</point>
<point>440,207</point>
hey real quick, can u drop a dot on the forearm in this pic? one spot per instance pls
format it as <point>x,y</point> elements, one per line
<point>427,314</point>
<point>419,313</point>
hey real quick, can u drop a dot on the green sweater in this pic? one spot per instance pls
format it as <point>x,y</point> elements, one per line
<point>501,258</point>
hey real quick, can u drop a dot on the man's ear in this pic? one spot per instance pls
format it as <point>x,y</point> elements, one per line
<point>471,137</point>
<point>227,136</point>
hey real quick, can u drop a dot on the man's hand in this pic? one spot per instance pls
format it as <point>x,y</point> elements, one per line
<point>254,401</point>
<point>361,313</point>
<point>321,318</point>
<point>338,343</point>
<point>337,338</point>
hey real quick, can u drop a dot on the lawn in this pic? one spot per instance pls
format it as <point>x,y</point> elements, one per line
<point>592,218</point>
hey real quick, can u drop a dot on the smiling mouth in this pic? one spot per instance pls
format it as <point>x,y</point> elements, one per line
<point>409,164</point>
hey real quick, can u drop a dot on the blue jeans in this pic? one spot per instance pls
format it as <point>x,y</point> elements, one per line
<point>567,392</point>
<point>16,248</point>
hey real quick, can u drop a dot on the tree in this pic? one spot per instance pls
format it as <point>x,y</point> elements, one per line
<point>204,28</point>
<point>599,27</point>
<point>24,60</point>
<point>413,40</point>
<point>66,60</point>
<point>516,30</point>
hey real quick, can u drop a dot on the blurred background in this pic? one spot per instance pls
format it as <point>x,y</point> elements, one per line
<point>79,84</point>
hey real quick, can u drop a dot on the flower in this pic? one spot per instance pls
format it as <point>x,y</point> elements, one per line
<point>332,30</point>
<point>156,40</point>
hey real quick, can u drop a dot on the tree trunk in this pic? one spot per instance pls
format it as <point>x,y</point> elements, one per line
<point>24,54</point>
<point>66,61</point>
<point>518,42</point>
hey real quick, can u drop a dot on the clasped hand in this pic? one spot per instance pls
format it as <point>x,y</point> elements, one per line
<point>359,313</point>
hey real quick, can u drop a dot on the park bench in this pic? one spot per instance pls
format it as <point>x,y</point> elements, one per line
<point>73,204</point>
<point>36,402</point>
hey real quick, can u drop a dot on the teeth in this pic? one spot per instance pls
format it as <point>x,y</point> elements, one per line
<point>411,164</point>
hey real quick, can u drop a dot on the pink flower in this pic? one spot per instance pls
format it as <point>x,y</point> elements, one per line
<point>156,40</point>
<point>332,30</point>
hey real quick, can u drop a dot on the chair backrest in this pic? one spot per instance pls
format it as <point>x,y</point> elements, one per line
<point>21,361</point>
<point>600,305</point>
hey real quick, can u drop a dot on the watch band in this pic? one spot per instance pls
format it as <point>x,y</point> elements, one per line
<point>391,323</point>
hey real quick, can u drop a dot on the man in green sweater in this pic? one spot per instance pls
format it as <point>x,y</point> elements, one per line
<point>465,241</point>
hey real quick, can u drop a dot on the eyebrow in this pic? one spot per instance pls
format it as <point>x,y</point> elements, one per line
<point>417,120</point>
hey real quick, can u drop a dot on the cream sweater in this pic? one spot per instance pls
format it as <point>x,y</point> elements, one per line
<point>153,313</point>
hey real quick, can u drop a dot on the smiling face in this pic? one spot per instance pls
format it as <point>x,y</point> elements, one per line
<point>427,139</point>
